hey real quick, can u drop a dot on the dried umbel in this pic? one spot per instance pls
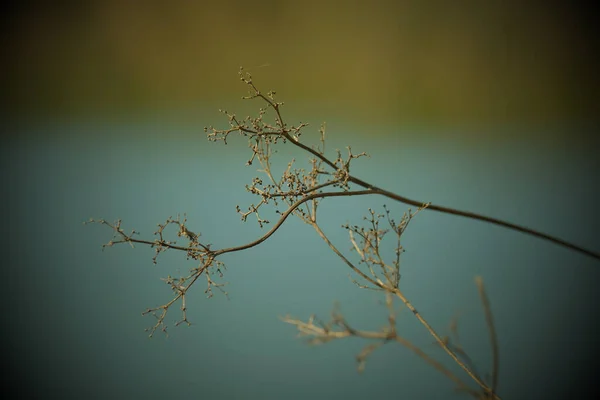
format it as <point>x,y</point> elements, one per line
<point>299,191</point>
<point>185,232</point>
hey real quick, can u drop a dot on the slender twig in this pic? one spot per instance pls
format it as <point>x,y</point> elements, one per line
<point>489,319</point>
<point>409,305</point>
<point>301,192</point>
<point>327,332</point>
<point>452,211</point>
<point>285,133</point>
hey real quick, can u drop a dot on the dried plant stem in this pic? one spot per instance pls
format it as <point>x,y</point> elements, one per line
<point>288,212</point>
<point>409,305</point>
<point>298,191</point>
<point>448,210</point>
<point>489,319</point>
<point>285,133</point>
<point>324,333</point>
<point>435,364</point>
<point>442,343</point>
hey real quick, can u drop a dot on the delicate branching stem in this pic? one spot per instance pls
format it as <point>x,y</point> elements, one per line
<point>442,343</point>
<point>299,192</point>
<point>408,304</point>
<point>338,328</point>
<point>287,213</point>
<point>285,134</point>
<point>452,211</point>
<point>489,319</point>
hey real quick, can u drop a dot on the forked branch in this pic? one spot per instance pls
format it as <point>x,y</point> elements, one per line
<point>299,191</point>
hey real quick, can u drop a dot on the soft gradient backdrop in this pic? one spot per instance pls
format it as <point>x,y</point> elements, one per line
<point>484,107</point>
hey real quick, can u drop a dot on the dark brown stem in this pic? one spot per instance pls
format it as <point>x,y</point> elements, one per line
<point>448,210</point>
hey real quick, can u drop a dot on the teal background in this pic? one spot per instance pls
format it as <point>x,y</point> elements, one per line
<point>490,107</point>
<point>73,327</point>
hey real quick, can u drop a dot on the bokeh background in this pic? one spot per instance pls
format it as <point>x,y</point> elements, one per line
<point>484,106</point>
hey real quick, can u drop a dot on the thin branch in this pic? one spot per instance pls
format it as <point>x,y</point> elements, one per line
<point>295,189</point>
<point>489,319</point>
<point>287,213</point>
<point>453,211</point>
<point>328,332</point>
<point>441,342</point>
<point>280,131</point>
<point>409,305</point>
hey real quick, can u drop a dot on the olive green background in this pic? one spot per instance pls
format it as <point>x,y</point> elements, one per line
<point>434,62</point>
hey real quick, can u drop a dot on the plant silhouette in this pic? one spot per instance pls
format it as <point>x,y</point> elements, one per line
<point>298,192</point>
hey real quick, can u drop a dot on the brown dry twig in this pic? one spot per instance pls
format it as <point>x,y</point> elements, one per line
<point>317,332</point>
<point>207,265</point>
<point>299,191</point>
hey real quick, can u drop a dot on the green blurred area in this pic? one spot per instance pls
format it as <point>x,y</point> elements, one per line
<point>430,62</point>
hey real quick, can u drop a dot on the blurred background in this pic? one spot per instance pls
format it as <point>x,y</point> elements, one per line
<point>490,107</point>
